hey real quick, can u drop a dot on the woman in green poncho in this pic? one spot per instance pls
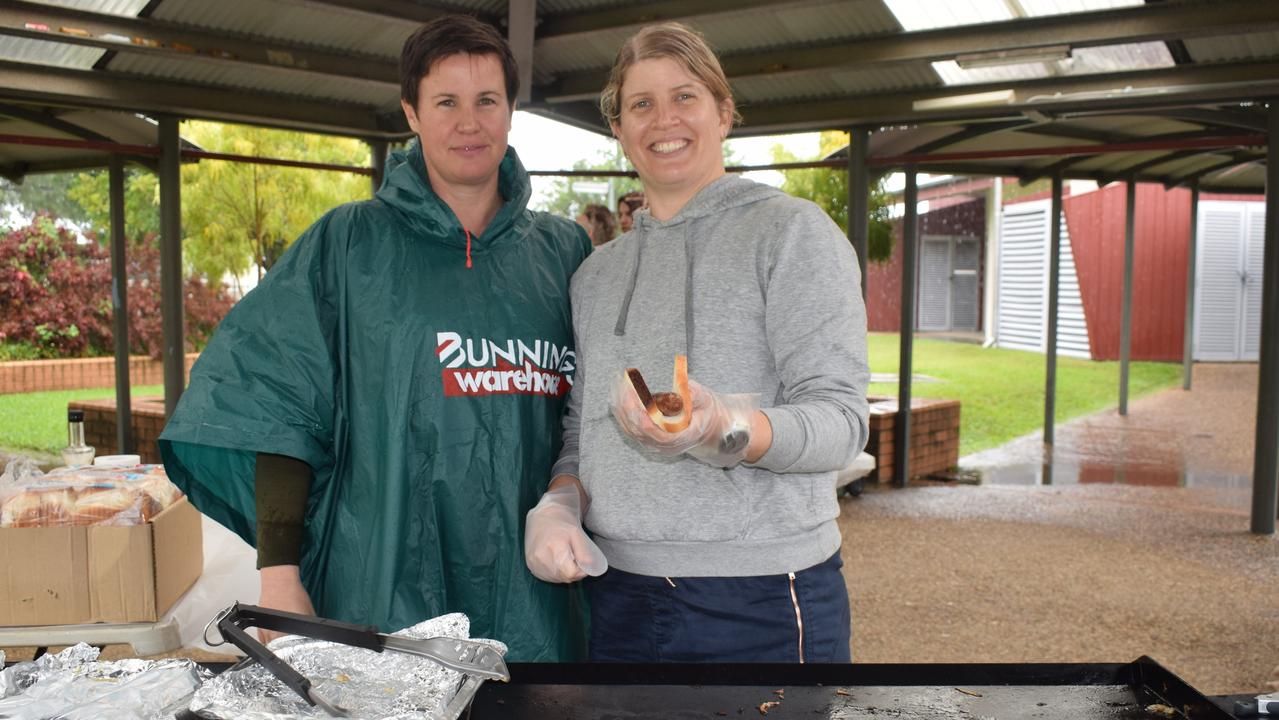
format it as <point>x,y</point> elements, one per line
<point>381,412</point>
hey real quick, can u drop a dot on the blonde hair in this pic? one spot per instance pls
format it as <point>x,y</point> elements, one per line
<point>667,40</point>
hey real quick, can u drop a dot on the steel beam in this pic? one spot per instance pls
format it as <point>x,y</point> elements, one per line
<point>1144,23</point>
<point>86,88</point>
<point>47,119</point>
<point>411,10</point>
<point>1192,257</point>
<point>859,199</point>
<point>171,280</point>
<point>1265,469</point>
<point>1125,311</point>
<point>1140,90</point>
<point>905,372</point>
<point>1050,346</point>
<point>156,38</point>
<point>120,307</point>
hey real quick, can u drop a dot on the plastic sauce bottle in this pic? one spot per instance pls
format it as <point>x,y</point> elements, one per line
<point>76,452</point>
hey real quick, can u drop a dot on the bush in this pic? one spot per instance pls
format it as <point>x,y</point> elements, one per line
<point>19,351</point>
<point>56,296</point>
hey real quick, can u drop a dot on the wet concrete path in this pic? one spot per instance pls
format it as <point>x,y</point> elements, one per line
<point>1139,547</point>
<point>1172,438</point>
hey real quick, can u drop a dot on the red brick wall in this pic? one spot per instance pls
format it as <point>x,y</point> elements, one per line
<point>99,425</point>
<point>39,375</point>
<point>934,435</point>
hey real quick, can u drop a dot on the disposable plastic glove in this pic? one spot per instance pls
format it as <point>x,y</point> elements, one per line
<point>556,549</point>
<point>719,429</point>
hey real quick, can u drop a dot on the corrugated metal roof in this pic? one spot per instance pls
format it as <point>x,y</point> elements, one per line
<point>795,86</point>
<point>917,15</point>
<point>813,22</point>
<point>319,27</point>
<point>1252,46</point>
<point>559,7</point>
<point>127,8</point>
<point>1083,61</point>
<point>362,92</point>
<point>42,52</point>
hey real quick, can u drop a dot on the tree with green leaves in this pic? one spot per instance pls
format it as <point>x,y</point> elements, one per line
<point>828,187</point>
<point>236,216</point>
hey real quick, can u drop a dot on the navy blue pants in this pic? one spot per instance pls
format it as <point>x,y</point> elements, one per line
<point>641,618</point>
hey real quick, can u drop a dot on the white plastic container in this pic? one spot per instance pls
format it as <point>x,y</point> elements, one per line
<point>117,460</point>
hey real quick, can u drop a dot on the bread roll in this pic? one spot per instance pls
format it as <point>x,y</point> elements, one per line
<point>38,507</point>
<point>670,411</point>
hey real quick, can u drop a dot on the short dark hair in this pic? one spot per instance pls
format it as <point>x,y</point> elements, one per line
<point>450,35</point>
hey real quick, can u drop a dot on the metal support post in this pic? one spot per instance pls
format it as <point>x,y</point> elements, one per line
<point>171,310</point>
<point>1050,347</point>
<point>1265,470</point>
<point>859,198</point>
<point>1192,257</point>
<point>120,308</point>
<point>901,440</point>
<point>1125,322</point>
<point>377,161</point>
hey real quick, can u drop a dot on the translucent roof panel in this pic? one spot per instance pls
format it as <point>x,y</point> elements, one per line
<point>128,8</point>
<point>915,15</point>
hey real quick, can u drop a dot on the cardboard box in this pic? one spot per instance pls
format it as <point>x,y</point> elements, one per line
<point>99,573</point>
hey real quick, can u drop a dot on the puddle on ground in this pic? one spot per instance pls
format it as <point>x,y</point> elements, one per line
<point>1067,473</point>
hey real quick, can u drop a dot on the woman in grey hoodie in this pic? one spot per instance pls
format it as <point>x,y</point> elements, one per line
<point>718,542</point>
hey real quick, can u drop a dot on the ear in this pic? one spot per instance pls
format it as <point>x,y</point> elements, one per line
<point>726,117</point>
<point>409,114</point>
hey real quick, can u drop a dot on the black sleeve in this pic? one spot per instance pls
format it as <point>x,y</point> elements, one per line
<point>281,485</point>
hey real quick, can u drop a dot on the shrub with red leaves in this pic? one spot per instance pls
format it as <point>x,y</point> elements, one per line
<point>55,295</point>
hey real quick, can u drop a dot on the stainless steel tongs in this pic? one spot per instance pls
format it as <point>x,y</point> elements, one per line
<point>468,657</point>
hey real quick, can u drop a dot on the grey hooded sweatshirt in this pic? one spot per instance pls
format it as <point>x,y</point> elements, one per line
<point>762,292</point>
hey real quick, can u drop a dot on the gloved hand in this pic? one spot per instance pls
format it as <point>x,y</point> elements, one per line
<point>718,432</point>
<point>556,549</point>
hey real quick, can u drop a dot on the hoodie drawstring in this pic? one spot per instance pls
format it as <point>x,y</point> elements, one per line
<point>468,247</point>
<point>620,328</point>
<point>623,314</point>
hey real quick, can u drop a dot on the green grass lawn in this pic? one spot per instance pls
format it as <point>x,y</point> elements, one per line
<point>1002,391</point>
<point>36,423</point>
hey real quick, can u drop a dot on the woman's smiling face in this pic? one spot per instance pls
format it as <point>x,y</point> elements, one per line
<point>671,127</point>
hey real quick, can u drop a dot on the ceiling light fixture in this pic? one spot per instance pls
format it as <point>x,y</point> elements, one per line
<point>963,102</point>
<point>1048,53</point>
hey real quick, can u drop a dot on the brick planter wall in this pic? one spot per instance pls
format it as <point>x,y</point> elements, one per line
<point>99,425</point>
<point>24,376</point>
<point>934,435</point>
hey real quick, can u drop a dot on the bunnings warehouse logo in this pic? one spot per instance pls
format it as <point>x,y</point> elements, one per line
<point>483,366</point>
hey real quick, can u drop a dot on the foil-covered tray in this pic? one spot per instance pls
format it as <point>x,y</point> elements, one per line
<point>74,685</point>
<point>368,684</point>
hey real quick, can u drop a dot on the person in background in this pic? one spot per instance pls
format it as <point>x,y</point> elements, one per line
<point>380,413</point>
<point>720,538</point>
<point>627,205</point>
<point>598,223</point>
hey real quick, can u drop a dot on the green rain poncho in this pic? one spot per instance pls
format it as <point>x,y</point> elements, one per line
<point>426,396</point>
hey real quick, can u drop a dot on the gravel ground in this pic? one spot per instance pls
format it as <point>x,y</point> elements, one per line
<point>1081,570</point>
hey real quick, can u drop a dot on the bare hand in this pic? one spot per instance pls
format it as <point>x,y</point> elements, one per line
<point>282,590</point>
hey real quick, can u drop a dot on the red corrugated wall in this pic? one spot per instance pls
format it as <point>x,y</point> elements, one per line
<point>883,280</point>
<point>1161,237</point>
